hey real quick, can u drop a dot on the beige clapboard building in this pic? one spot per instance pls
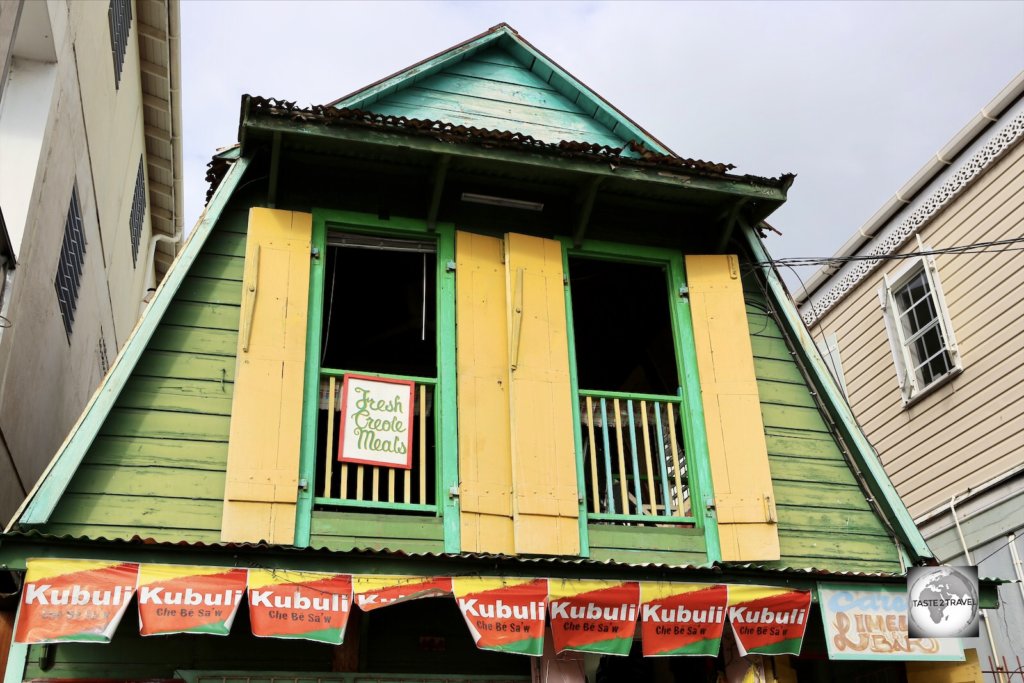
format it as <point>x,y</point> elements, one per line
<point>929,350</point>
<point>91,197</point>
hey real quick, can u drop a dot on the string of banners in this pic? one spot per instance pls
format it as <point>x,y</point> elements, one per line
<point>84,601</point>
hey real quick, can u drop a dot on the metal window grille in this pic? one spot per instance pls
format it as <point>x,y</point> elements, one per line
<point>71,263</point>
<point>138,211</point>
<point>120,17</point>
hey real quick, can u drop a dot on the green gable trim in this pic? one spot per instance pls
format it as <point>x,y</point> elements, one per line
<point>509,55</point>
<point>40,504</point>
<point>863,454</point>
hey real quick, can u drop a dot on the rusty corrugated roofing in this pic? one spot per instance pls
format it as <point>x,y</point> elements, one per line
<point>717,568</point>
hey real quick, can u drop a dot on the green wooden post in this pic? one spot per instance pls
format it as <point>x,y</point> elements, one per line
<point>447,425</point>
<point>695,438</point>
<point>574,383</point>
<point>17,660</point>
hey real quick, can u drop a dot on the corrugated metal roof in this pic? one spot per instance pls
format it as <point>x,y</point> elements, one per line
<point>717,568</point>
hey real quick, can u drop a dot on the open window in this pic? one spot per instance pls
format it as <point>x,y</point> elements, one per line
<point>378,320</point>
<point>630,401</point>
<point>921,336</point>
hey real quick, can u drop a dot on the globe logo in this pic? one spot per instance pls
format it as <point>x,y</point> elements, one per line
<point>942,602</point>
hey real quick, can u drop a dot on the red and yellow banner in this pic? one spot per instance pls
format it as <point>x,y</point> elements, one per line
<point>593,616</point>
<point>292,604</point>
<point>768,621</point>
<point>506,615</point>
<point>187,599</point>
<point>373,592</point>
<point>73,601</point>
<point>682,618</point>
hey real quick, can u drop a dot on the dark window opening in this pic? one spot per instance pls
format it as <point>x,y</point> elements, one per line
<point>631,430</point>
<point>379,316</point>
<point>70,263</point>
<point>622,327</point>
<point>137,213</point>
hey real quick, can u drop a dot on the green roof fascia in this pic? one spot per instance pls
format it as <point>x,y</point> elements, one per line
<point>536,61</point>
<point>731,187</point>
<point>864,456</point>
<point>43,498</point>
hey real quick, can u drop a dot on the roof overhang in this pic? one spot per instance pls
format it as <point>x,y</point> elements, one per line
<point>160,67</point>
<point>650,179</point>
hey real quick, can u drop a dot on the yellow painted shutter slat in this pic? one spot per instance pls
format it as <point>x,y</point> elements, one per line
<point>485,458</point>
<point>266,412</point>
<point>744,497</point>
<point>546,499</point>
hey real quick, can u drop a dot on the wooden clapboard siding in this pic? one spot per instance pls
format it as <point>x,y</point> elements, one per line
<point>340,531</point>
<point>824,518</point>
<point>970,430</point>
<point>156,470</point>
<point>491,89</point>
<point>637,545</point>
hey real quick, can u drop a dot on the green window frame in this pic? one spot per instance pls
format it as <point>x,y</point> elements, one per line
<point>691,415</point>
<point>444,398</point>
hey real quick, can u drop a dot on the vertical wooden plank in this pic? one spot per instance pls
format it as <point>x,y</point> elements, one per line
<point>647,455</point>
<point>360,480</point>
<point>744,497</point>
<point>482,348</point>
<point>375,485</point>
<point>595,502</point>
<point>675,459</point>
<point>391,485</point>
<point>344,481</point>
<point>636,463</point>
<point>261,489</point>
<point>607,458</point>
<point>329,453</point>
<point>623,484</point>
<point>662,466</point>
<point>546,504</point>
<point>423,445</point>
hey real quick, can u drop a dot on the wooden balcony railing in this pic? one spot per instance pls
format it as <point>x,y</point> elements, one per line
<point>368,486</point>
<point>635,467</point>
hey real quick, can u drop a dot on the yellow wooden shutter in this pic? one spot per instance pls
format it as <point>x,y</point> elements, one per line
<point>485,457</point>
<point>744,498</point>
<point>266,411</point>
<point>546,502</point>
<point>517,464</point>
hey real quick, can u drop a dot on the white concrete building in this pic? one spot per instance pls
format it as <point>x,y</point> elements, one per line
<point>91,202</point>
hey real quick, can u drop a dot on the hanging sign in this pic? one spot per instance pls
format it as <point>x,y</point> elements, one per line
<point>73,601</point>
<point>186,599</point>
<point>768,621</point>
<point>593,616</point>
<point>376,421</point>
<point>506,615</point>
<point>869,621</point>
<point>293,604</point>
<point>682,618</point>
<point>372,592</point>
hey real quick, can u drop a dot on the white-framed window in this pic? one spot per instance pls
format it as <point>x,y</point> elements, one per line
<point>921,336</point>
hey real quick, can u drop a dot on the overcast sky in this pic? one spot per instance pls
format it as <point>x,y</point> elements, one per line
<point>852,97</point>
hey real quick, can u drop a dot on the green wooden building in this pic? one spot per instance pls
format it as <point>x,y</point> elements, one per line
<point>474,327</point>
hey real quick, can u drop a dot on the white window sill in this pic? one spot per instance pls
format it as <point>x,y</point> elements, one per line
<point>942,381</point>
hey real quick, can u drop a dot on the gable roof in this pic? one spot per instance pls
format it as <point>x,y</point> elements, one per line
<point>498,80</point>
